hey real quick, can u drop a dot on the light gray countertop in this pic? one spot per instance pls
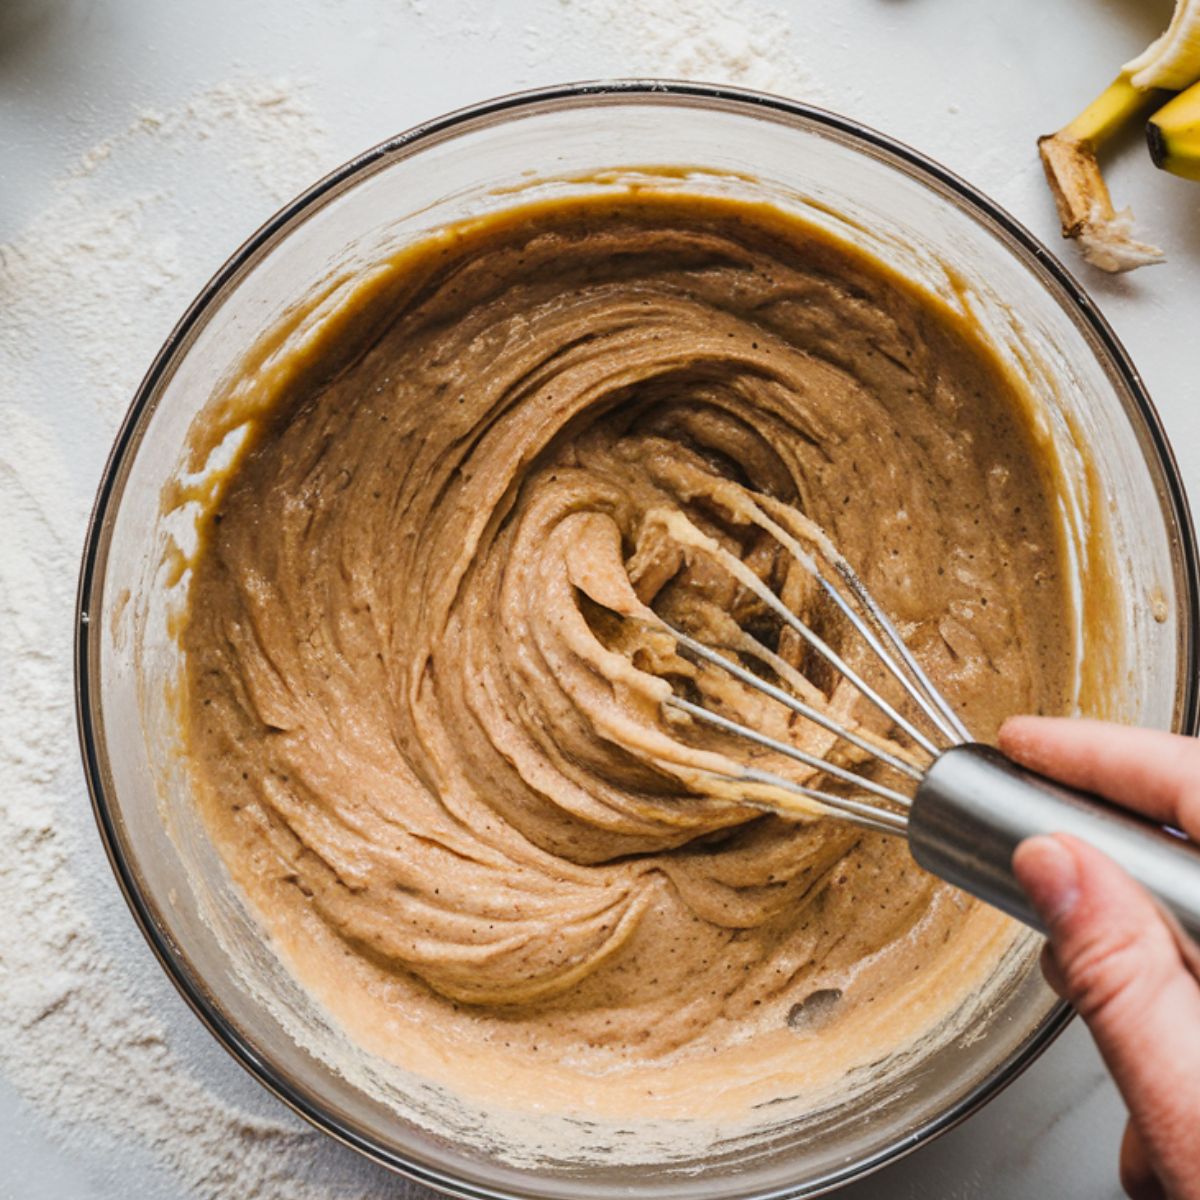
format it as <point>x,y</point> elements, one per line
<point>969,84</point>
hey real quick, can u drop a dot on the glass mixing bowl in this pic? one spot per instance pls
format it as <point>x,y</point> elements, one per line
<point>1123,511</point>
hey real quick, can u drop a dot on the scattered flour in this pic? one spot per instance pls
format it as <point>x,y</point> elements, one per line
<point>743,42</point>
<point>87,294</point>
<point>278,138</point>
<point>710,41</point>
<point>111,268</point>
<point>749,43</point>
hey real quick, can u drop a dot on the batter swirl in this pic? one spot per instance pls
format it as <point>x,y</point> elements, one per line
<point>435,756</point>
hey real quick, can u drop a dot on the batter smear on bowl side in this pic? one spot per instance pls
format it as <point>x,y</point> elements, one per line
<point>436,761</point>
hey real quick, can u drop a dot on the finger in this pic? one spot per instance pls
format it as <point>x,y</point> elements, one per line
<point>1156,773</point>
<point>1137,1175</point>
<point>1121,968</point>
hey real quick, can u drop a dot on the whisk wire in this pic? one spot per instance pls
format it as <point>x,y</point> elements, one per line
<point>839,664</point>
<point>865,815</point>
<point>700,713</point>
<point>953,727</point>
<point>860,609</point>
<point>916,683</point>
<point>829,724</point>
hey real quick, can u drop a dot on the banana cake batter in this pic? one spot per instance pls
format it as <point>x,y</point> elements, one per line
<point>429,739</point>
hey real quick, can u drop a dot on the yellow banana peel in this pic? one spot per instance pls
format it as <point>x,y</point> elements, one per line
<point>1171,61</point>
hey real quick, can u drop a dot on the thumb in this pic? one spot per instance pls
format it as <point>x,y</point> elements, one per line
<point>1120,965</point>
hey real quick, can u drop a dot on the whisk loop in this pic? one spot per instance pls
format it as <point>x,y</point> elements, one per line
<point>867,618</point>
<point>826,722</point>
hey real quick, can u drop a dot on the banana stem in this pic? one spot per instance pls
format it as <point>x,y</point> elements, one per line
<point>1069,156</point>
<point>1085,208</point>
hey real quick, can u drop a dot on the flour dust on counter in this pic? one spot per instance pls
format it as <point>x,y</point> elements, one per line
<point>93,1038</point>
<point>747,43</point>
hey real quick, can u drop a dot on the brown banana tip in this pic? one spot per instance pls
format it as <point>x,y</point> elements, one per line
<point>1157,144</point>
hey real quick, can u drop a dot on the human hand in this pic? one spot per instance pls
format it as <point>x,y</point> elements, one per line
<point>1126,967</point>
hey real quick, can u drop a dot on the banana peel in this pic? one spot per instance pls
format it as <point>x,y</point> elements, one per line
<point>1070,157</point>
<point>1171,61</point>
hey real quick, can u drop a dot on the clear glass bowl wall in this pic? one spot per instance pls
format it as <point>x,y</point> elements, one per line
<point>880,196</point>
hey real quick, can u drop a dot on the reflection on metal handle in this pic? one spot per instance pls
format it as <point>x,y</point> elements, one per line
<point>975,807</point>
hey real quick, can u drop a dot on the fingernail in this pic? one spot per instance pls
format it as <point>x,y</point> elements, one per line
<point>1046,869</point>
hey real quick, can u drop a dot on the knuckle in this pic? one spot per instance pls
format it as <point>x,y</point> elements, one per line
<point>1104,970</point>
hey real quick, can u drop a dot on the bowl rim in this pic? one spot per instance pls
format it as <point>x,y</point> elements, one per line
<point>94,557</point>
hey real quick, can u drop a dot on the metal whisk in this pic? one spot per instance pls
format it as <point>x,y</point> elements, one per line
<point>966,806</point>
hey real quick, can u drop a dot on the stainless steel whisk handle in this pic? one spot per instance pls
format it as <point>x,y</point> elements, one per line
<point>975,806</point>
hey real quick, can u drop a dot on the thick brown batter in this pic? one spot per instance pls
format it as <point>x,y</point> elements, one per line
<point>435,758</point>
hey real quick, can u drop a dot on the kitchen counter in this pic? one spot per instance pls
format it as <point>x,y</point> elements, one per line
<point>187,124</point>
